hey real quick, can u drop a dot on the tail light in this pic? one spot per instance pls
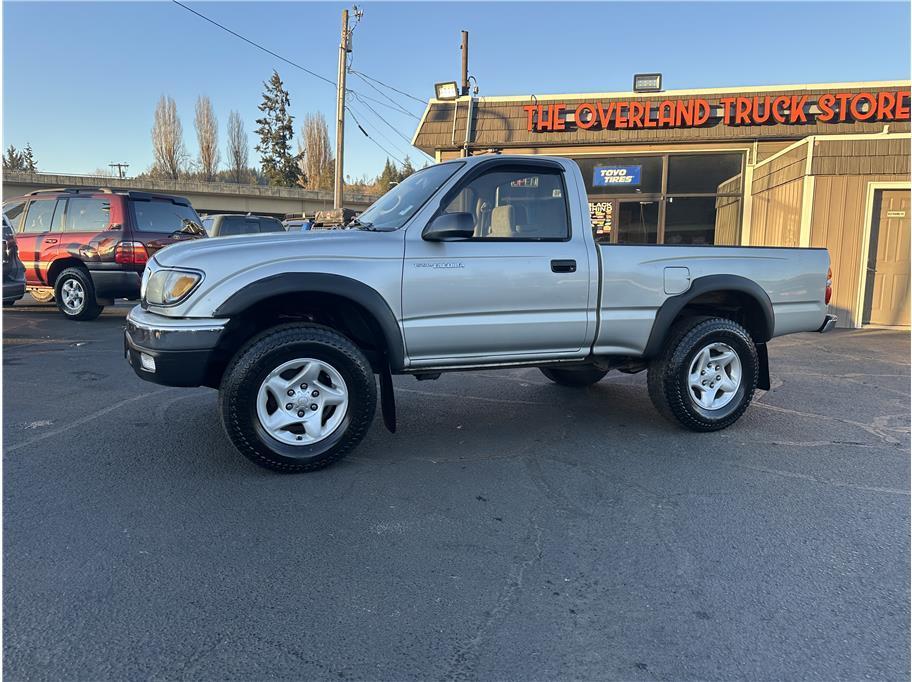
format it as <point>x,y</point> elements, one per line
<point>130,253</point>
<point>828,292</point>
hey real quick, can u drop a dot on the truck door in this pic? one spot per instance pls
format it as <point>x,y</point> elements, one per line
<point>519,287</point>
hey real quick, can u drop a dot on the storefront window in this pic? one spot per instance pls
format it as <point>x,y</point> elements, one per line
<point>686,198</point>
<point>704,173</point>
<point>622,174</point>
<point>638,222</point>
<point>690,220</point>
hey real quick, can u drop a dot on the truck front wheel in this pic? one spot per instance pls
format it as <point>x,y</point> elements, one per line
<point>297,398</point>
<point>576,376</point>
<point>706,375</point>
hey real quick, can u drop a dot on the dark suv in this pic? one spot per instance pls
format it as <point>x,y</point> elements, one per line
<point>13,271</point>
<point>227,225</point>
<point>87,246</point>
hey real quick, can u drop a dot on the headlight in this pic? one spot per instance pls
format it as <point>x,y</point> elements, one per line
<point>168,287</point>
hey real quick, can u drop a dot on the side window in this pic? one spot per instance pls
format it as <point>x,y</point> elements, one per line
<point>39,216</point>
<point>233,225</point>
<point>207,225</point>
<point>271,225</point>
<point>527,204</point>
<point>13,212</point>
<point>59,216</point>
<point>88,215</point>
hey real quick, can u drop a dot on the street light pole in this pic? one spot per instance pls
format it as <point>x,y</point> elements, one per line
<point>340,112</point>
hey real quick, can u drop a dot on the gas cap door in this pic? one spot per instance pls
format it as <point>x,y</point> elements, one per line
<point>677,280</point>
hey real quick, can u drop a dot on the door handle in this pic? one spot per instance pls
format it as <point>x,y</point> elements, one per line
<point>563,266</point>
<point>50,241</point>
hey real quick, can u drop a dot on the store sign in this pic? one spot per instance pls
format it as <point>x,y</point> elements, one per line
<point>730,111</point>
<point>610,176</point>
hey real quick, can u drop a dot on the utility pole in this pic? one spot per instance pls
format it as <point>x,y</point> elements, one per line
<point>121,167</point>
<point>465,63</point>
<point>340,111</point>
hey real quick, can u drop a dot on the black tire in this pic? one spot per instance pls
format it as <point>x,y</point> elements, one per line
<point>576,377</point>
<point>87,308</point>
<point>668,381</point>
<point>266,352</point>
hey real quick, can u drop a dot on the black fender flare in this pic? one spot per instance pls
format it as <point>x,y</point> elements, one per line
<point>323,283</point>
<point>673,305</point>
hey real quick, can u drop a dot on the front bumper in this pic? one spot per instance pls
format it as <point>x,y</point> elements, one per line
<point>828,323</point>
<point>171,351</point>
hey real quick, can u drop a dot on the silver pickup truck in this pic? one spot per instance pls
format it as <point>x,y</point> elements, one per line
<point>483,263</point>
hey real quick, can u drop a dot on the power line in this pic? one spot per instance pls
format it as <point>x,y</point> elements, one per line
<point>256,45</point>
<point>398,106</point>
<point>385,85</point>
<point>284,59</point>
<point>362,98</point>
<point>389,125</point>
<point>361,128</point>
<point>395,144</point>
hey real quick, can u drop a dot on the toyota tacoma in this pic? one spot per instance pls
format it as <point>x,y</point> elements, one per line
<point>484,263</point>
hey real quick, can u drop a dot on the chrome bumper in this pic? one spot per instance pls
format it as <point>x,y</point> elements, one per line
<point>828,323</point>
<point>157,332</point>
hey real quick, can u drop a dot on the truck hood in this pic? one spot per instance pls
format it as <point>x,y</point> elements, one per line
<point>273,246</point>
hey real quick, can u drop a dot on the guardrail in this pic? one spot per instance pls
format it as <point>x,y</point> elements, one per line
<point>179,186</point>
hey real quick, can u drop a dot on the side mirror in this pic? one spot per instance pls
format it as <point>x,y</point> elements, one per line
<point>450,227</point>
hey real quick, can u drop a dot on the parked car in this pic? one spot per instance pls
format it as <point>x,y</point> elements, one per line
<point>483,262</point>
<point>89,246</point>
<point>13,270</point>
<point>227,225</point>
<point>297,224</point>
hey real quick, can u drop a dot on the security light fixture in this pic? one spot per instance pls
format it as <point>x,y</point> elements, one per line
<point>647,82</point>
<point>448,90</point>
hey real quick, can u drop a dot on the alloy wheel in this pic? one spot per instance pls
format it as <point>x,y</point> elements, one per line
<point>302,402</point>
<point>73,295</point>
<point>714,377</point>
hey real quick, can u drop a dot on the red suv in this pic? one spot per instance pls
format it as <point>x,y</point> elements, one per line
<point>85,247</point>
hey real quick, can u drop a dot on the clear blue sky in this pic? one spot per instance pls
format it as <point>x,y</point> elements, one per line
<point>80,80</point>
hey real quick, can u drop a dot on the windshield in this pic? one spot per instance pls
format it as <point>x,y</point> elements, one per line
<point>393,209</point>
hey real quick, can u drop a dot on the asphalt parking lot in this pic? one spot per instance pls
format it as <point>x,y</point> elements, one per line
<point>512,529</point>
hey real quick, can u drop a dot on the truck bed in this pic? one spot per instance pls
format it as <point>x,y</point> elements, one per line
<point>637,280</point>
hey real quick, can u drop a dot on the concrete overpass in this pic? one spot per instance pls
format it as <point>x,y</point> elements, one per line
<point>206,197</point>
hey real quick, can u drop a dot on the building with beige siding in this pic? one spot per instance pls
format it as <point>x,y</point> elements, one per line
<point>792,165</point>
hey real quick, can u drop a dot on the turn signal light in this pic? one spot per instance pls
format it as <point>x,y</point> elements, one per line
<point>828,293</point>
<point>130,253</point>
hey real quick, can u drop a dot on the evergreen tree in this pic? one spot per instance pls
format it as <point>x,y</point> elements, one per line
<point>389,176</point>
<point>407,168</point>
<point>276,133</point>
<point>28,159</point>
<point>12,159</point>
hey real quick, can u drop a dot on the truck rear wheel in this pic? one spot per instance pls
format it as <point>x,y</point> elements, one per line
<point>297,398</point>
<point>577,376</point>
<point>706,375</point>
<point>75,295</point>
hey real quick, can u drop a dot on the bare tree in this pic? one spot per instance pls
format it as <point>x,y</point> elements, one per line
<point>237,147</point>
<point>315,157</point>
<point>168,139</point>
<point>207,136</point>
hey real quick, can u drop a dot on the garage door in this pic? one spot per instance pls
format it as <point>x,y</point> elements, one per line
<point>887,292</point>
